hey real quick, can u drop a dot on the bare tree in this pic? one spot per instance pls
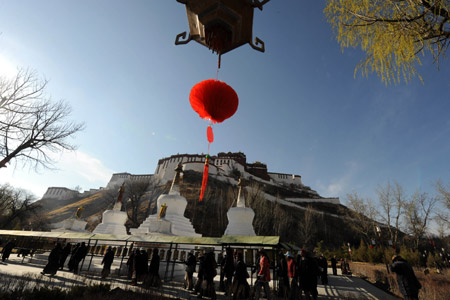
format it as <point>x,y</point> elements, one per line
<point>31,125</point>
<point>25,87</point>
<point>16,206</point>
<point>361,216</point>
<point>154,190</point>
<point>419,211</point>
<point>444,193</point>
<point>264,221</point>
<point>392,200</point>
<point>307,229</point>
<point>134,196</point>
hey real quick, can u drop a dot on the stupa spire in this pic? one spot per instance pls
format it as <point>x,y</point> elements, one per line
<point>175,189</point>
<point>240,200</point>
<point>240,218</point>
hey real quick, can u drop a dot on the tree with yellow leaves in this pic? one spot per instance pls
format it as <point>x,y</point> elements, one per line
<point>392,33</point>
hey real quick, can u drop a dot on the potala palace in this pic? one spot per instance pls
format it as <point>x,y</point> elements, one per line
<point>224,166</point>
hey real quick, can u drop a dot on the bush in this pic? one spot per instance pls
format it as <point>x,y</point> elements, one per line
<point>94,289</point>
<point>361,253</point>
<point>375,254</point>
<point>412,257</point>
<point>44,293</point>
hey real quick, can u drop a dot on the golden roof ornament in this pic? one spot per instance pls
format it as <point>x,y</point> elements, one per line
<point>79,212</point>
<point>162,211</point>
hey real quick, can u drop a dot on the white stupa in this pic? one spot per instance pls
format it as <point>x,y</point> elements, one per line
<point>171,219</point>
<point>73,224</point>
<point>240,218</point>
<point>113,221</point>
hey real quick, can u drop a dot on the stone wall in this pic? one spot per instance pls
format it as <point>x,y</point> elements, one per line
<point>61,193</point>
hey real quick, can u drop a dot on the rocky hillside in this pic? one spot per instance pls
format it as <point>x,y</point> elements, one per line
<point>303,224</point>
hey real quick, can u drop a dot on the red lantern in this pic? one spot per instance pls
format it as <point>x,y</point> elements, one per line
<point>214,100</point>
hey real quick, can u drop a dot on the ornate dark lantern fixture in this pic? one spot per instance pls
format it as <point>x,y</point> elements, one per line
<point>221,25</point>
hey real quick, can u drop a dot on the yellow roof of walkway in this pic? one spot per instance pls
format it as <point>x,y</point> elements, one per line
<point>226,239</point>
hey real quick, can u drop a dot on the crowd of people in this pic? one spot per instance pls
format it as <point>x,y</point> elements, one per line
<point>297,275</point>
<point>139,270</point>
<point>58,256</point>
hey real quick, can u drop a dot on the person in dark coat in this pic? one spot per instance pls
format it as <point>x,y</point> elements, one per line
<point>71,263</point>
<point>241,289</point>
<point>408,284</point>
<point>107,262</point>
<point>53,260</point>
<point>7,250</point>
<point>64,253</point>
<point>130,264</point>
<point>153,270</point>
<point>323,266</point>
<point>228,270</point>
<point>137,267</point>
<point>79,256</point>
<point>283,279</point>
<point>200,274</point>
<point>210,272</point>
<point>191,263</point>
<point>144,258</point>
<point>334,265</point>
<point>307,272</point>
<point>345,267</point>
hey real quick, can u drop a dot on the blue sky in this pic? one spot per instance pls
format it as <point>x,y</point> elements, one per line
<point>301,109</point>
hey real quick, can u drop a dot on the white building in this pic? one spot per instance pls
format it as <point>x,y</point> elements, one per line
<point>233,165</point>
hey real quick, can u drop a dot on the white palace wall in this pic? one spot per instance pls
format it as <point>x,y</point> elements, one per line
<point>286,178</point>
<point>119,178</point>
<point>166,170</point>
<point>59,193</point>
<point>222,166</point>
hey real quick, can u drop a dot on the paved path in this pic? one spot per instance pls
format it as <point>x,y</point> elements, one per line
<point>339,287</point>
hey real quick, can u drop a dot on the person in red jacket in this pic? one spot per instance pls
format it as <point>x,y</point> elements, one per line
<point>291,274</point>
<point>263,275</point>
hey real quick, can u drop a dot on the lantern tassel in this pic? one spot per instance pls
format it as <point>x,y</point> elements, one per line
<point>205,178</point>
